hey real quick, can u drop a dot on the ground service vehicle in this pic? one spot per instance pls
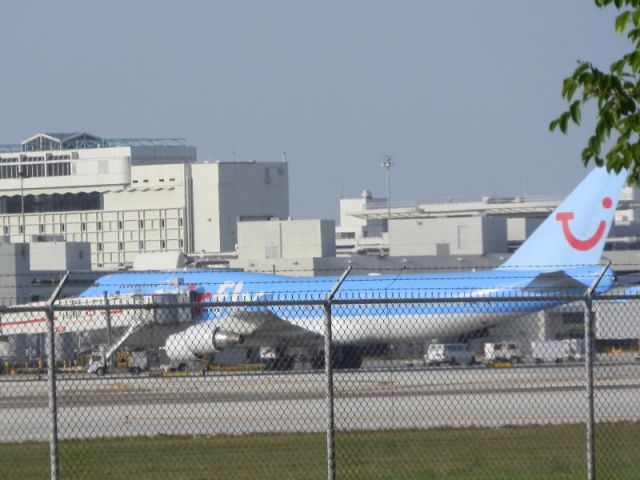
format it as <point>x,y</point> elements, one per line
<point>567,350</point>
<point>449,353</point>
<point>136,362</point>
<point>502,352</point>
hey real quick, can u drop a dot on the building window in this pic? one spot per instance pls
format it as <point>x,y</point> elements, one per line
<point>20,228</point>
<point>41,228</point>
<point>140,223</point>
<point>162,223</point>
<point>180,243</point>
<point>120,224</point>
<point>83,226</point>
<point>98,225</point>
<point>62,227</point>
<point>179,222</point>
<point>140,245</point>
<point>163,244</point>
<point>99,246</point>
<point>5,230</point>
<point>52,203</point>
<point>120,246</point>
<point>58,169</point>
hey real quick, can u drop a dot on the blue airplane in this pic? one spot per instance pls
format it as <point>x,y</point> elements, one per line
<point>560,258</point>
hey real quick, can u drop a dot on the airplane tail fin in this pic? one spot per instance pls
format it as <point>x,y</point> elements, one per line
<point>575,232</point>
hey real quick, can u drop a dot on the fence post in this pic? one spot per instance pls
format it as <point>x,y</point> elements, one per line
<point>589,334</point>
<point>51,382</point>
<point>107,316</point>
<point>328,370</point>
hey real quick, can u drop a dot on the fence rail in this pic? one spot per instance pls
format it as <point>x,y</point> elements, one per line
<point>329,387</point>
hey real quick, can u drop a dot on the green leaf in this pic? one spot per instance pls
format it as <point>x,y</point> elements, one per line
<point>569,88</point>
<point>594,144</point>
<point>581,68</point>
<point>584,78</point>
<point>617,67</point>
<point>622,20</point>
<point>563,121</point>
<point>634,61</point>
<point>633,34</point>
<point>627,105</point>
<point>608,118</point>
<point>574,110</point>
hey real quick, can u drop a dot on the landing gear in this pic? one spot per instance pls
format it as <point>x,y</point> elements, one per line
<point>281,363</point>
<point>347,357</point>
<point>344,357</point>
<point>317,361</point>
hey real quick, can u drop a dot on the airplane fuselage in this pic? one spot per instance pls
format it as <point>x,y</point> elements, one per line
<point>429,305</point>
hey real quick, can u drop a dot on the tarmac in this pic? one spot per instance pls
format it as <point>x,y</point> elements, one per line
<point>369,399</point>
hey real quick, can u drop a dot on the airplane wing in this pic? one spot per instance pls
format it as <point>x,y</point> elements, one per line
<point>238,327</point>
<point>263,327</point>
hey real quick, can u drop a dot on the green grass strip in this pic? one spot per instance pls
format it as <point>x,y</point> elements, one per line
<point>514,453</point>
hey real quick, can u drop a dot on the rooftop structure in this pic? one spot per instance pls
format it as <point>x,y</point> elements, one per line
<point>446,227</point>
<point>82,140</point>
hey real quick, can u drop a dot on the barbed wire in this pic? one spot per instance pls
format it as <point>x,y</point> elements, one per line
<point>337,270</point>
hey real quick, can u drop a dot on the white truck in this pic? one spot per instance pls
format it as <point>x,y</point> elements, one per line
<point>137,361</point>
<point>556,351</point>
<point>502,352</point>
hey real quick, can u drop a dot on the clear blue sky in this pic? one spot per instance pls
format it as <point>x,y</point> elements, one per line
<point>460,92</point>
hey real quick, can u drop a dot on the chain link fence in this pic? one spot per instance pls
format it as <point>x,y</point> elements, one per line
<point>274,387</point>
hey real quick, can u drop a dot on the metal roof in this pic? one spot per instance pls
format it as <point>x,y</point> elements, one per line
<point>82,140</point>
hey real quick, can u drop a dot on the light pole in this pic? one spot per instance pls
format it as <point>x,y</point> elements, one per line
<point>22,173</point>
<point>387,163</point>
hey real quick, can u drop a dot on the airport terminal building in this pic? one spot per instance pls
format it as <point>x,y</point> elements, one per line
<point>127,196</point>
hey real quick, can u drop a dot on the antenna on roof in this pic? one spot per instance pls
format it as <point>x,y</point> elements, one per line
<point>283,156</point>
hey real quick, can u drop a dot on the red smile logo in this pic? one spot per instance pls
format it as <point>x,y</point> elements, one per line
<point>589,243</point>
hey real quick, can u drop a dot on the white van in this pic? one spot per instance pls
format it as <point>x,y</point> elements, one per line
<point>449,353</point>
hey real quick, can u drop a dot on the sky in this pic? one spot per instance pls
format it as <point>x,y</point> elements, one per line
<point>460,93</point>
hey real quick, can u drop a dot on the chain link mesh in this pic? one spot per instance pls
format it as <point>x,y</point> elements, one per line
<point>151,393</point>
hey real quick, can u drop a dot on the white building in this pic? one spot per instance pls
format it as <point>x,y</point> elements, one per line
<point>289,239</point>
<point>491,225</point>
<point>358,233</point>
<point>132,195</point>
<point>473,235</point>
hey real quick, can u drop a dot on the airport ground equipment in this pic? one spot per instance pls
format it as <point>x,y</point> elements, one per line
<point>557,351</point>
<point>502,352</point>
<point>136,361</point>
<point>449,353</point>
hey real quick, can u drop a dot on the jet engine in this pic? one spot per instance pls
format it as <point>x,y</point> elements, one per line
<point>202,339</point>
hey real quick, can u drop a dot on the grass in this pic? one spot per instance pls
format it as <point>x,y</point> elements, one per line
<point>514,453</point>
